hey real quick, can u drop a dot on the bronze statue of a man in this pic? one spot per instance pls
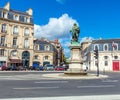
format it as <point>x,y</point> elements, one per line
<point>75,32</point>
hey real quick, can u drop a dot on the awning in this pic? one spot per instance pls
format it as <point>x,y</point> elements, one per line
<point>15,61</point>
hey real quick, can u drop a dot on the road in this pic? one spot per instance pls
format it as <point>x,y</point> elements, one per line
<point>32,84</point>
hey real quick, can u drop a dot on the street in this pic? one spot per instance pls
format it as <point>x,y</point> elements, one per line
<point>32,84</point>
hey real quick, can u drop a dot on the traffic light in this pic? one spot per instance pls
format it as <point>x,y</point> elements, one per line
<point>96,53</point>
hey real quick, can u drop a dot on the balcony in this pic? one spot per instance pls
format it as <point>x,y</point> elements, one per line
<point>26,47</point>
<point>15,46</point>
<point>4,31</point>
<point>15,33</point>
<point>26,34</point>
<point>3,45</point>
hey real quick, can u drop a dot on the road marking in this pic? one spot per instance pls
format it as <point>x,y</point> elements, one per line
<point>97,86</point>
<point>90,97</point>
<point>52,82</point>
<point>110,81</point>
<point>32,88</point>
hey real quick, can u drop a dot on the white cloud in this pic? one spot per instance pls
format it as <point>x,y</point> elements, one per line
<point>86,39</point>
<point>56,28</point>
<point>61,1</point>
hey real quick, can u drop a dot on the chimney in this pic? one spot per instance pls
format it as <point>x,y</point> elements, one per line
<point>29,11</point>
<point>7,6</point>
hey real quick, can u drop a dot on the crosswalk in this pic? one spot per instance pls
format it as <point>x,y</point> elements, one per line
<point>109,80</point>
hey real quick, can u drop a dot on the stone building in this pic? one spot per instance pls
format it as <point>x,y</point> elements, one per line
<point>47,52</point>
<point>16,37</point>
<point>108,54</point>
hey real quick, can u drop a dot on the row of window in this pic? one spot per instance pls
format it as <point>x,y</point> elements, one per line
<point>36,57</point>
<point>13,52</point>
<point>106,57</point>
<point>16,17</point>
<point>46,47</point>
<point>106,60</point>
<point>26,42</point>
<point>106,47</point>
<point>15,29</point>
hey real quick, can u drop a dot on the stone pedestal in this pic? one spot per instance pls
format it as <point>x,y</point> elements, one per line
<point>75,64</point>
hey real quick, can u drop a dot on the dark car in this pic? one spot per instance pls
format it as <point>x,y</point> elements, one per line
<point>37,68</point>
<point>9,68</point>
<point>12,68</point>
<point>21,68</point>
<point>40,68</point>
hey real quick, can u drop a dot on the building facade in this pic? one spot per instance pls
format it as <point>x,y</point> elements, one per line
<point>47,52</point>
<point>16,37</point>
<point>108,54</point>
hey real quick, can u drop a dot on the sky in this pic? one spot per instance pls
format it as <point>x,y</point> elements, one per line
<point>53,19</point>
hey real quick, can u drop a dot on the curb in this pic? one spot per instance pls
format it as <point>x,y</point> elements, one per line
<point>62,76</point>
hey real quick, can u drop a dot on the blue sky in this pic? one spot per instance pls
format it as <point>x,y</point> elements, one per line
<point>54,18</point>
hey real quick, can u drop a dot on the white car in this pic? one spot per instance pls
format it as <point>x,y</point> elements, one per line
<point>49,67</point>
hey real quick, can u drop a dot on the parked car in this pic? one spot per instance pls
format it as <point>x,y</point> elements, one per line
<point>9,68</point>
<point>59,68</point>
<point>37,68</point>
<point>49,67</point>
<point>21,68</point>
<point>12,68</point>
<point>4,68</point>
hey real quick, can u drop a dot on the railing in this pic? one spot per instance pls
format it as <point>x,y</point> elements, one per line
<point>2,44</point>
<point>26,47</point>
<point>15,46</point>
<point>4,31</point>
<point>15,33</point>
<point>25,34</point>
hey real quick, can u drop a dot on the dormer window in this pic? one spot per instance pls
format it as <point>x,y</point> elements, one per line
<point>26,19</point>
<point>96,47</point>
<point>115,46</point>
<point>47,48</point>
<point>4,15</point>
<point>16,17</point>
<point>106,47</point>
<point>36,47</point>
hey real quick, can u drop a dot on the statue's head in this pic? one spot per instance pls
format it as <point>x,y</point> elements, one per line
<point>75,24</point>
